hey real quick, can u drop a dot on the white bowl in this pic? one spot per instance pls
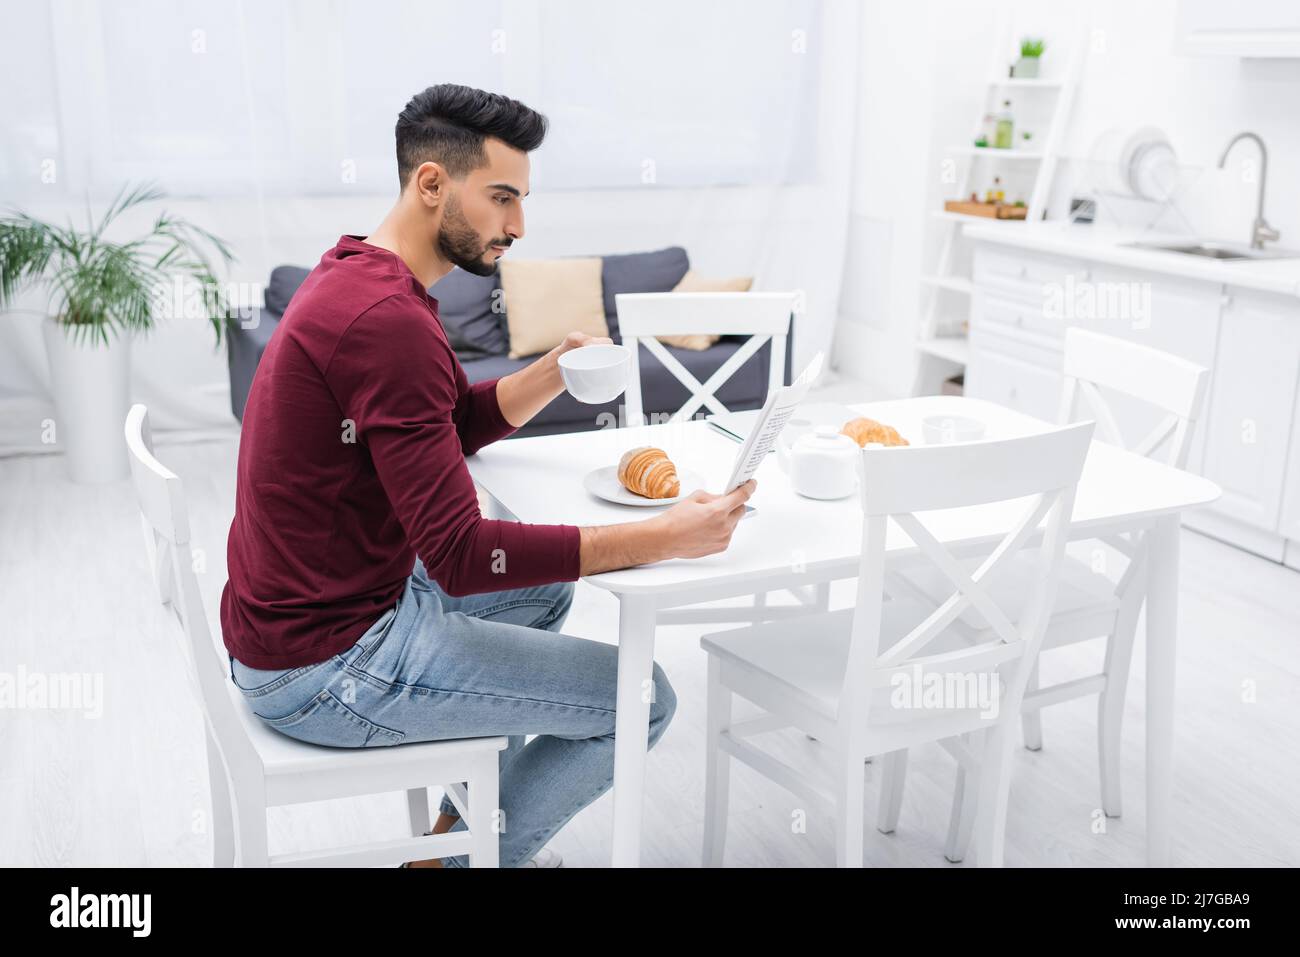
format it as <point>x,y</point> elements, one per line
<point>596,374</point>
<point>949,429</point>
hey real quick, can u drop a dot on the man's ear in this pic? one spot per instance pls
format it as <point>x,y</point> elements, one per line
<point>430,184</point>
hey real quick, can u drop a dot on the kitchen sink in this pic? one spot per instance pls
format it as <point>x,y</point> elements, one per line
<point>1211,249</point>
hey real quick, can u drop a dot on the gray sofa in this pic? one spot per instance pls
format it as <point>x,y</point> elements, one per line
<point>478,334</point>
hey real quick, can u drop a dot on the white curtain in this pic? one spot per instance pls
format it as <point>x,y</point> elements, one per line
<point>725,127</point>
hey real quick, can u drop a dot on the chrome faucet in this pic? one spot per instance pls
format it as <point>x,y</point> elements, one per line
<point>1260,231</point>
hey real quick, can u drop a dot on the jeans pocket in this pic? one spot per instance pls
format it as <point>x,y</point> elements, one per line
<point>382,627</point>
<point>325,720</point>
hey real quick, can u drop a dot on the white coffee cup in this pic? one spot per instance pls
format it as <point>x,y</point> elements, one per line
<point>596,374</point>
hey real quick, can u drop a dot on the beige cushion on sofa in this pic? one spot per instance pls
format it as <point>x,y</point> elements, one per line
<point>546,299</point>
<point>694,282</point>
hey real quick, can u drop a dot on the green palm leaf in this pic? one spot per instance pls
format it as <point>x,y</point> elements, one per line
<point>100,289</point>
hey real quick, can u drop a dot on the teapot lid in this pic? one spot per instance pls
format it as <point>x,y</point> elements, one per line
<point>826,435</point>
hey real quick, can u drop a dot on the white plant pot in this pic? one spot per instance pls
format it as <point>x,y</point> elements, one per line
<point>91,383</point>
<point>1025,68</point>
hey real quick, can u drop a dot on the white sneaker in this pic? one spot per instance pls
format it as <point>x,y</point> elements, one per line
<point>545,858</point>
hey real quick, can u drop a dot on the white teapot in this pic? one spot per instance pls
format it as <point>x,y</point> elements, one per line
<point>821,464</point>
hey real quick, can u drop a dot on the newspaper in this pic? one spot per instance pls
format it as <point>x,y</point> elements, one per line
<point>772,417</point>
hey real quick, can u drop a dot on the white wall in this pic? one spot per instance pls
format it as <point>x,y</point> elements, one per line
<point>925,66</point>
<point>920,61</point>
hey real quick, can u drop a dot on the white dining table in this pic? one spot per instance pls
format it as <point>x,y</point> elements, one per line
<point>790,541</point>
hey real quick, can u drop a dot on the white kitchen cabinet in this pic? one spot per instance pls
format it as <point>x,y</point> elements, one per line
<point>1243,28</point>
<point>1252,401</point>
<point>1022,319</point>
<point>1248,439</point>
<point>1022,275</point>
<point>1289,526</point>
<point>1016,333</point>
<point>1180,317</point>
<point>1015,306</point>
<point>1013,373</point>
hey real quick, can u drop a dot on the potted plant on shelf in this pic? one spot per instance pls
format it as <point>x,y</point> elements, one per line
<point>1026,68</point>
<point>101,294</point>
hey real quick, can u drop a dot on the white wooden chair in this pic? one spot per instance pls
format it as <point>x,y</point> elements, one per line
<point>835,676</point>
<point>764,317</point>
<point>252,767</point>
<point>642,316</point>
<point>1099,597</point>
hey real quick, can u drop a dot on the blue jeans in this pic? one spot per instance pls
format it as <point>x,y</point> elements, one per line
<point>435,667</point>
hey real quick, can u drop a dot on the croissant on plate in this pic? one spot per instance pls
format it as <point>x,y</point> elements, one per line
<point>648,472</point>
<point>863,431</point>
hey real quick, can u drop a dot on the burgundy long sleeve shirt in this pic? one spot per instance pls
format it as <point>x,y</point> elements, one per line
<point>352,462</point>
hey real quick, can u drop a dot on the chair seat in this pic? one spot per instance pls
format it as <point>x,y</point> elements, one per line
<point>805,658</point>
<point>1085,605</point>
<point>342,772</point>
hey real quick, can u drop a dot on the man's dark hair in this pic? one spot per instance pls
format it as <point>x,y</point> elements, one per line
<point>447,124</point>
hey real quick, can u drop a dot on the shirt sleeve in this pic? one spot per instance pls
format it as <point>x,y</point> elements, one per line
<point>478,416</point>
<point>398,380</point>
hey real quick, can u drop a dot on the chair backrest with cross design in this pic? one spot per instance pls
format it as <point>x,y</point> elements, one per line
<point>1154,380</point>
<point>1171,384</point>
<point>1030,481</point>
<point>763,316</point>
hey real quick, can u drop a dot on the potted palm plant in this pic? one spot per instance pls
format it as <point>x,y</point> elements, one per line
<point>1026,68</point>
<point>101,294</point>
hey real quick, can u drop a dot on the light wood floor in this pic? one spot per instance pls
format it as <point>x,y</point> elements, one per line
<point>130,788</point>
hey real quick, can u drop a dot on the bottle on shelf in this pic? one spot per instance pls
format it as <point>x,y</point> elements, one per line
<point>995,193</point>
<point>1005,127</point>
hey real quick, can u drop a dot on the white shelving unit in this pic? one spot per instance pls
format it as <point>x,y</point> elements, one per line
<point>968,218</point>
<point>1013,154</point>
<point>1017,83</point>
<point>941,349</point>
<point>949,348</point>
<point>951,283</point>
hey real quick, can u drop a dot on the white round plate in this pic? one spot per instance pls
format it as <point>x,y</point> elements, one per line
<point>1141,142</point>
<point>604,483</point>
